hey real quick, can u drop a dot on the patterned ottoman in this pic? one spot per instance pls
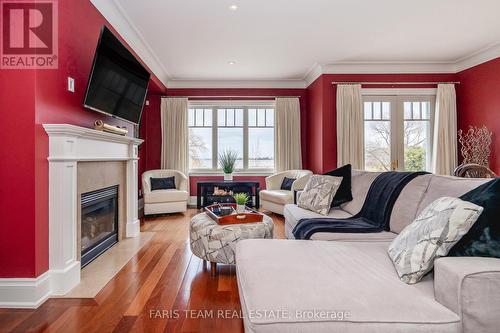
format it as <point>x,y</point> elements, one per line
<point>216,243</point>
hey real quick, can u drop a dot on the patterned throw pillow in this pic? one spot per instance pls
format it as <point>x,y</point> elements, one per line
<point>431,235</point>
<point>318,193</point>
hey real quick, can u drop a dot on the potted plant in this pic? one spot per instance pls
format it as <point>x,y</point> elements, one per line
<point>227,160</point>
<point>241,200</point>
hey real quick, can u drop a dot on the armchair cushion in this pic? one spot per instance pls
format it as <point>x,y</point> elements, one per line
<point>167,183</point>
<point>281,197</point>
<point>287,183</point>
<point>344,193</point>
<point>161,196</point>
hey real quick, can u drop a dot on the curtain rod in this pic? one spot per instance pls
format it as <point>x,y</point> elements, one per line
<point>394,83</point>
<point>231,96</point>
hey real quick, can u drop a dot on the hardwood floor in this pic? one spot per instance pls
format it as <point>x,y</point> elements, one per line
<point>163,288</point>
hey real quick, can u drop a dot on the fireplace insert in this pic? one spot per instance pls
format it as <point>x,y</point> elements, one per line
<point>99,224</point>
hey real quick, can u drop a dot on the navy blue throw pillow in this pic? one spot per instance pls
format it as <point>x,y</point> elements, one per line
<point>162,183</point>
<point>483,239</point>
<point>287,183</point>
<point>344,193</point>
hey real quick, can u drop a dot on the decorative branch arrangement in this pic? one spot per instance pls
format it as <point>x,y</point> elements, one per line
<point>475,145</point>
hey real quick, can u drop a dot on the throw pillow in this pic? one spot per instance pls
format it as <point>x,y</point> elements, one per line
<point>318,193</point>
<point>483,239</point>
<point>430,236</point>
<point>162,183</point>
<point>344,193</point>
<point>287,183</point>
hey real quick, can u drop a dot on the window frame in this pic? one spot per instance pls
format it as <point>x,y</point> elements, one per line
<point>245,105</point>
<point>397,97</point>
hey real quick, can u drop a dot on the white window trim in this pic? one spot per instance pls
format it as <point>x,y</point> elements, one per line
<point>242,104</point>
<point>398,92</point>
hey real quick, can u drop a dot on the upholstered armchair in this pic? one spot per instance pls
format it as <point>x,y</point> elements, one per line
<point>273,198</point>
<point>165,201</point>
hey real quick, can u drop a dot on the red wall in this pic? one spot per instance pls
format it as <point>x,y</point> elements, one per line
<point>33,98</point>
<point>153,129</point>
<point>479,103</point>
<point>321,115</point>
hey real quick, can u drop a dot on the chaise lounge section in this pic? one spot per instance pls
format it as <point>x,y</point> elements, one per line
<point>349,284</point>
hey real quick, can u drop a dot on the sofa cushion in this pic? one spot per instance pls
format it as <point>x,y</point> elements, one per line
<point>406,206</point>
<point>318,193</point>
<point>159,196</point>
<point>293,214</point>
<point>344,193</point>
<point>281,197</point>
<point>360,183</point>
<point>355,278</point>
<point>433,233</point>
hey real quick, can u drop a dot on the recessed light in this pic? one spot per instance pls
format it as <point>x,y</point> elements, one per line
<point>233,7</point>
<point>231,62</point>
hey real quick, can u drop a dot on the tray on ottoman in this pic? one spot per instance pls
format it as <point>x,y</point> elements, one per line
<point>249,216</point>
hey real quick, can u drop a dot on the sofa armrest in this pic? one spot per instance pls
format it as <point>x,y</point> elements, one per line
<point>470,286</point>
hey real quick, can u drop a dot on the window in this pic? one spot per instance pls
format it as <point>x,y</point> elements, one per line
<point>398,132</point>
<point>248,130</point>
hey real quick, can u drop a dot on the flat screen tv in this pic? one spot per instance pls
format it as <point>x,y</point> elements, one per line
<point>118,82</point>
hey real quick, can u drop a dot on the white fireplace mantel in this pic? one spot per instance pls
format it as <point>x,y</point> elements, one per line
<point>68,145</point>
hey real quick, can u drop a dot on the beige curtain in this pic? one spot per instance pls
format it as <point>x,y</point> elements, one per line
<point>174,132</point>
<point>444,152</point>
<point>288,151</point>
<point>349,126</point>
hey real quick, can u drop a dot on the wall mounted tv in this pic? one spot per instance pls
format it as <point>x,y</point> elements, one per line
<point>118,82</point>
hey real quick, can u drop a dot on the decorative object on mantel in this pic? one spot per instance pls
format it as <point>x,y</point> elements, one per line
<point>241,200</point>
<point>227,160</point>
<point>475,145</point>
<point>101,126</point>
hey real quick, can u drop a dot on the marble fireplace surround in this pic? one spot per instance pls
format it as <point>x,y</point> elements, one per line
<point>75,150</point>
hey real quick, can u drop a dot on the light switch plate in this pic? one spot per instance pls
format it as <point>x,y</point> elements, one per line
<point>71,84</point>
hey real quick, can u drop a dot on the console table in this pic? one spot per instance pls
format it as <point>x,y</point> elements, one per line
<point>205,192</point>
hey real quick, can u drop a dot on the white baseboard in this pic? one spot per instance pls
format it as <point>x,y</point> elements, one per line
<point>133,229</point>
<point>24,292</point>
<point>63,280</point>
<point>192,201</point>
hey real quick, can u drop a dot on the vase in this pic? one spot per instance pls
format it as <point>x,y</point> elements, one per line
<point>240,209</point>
<point>228,176</point>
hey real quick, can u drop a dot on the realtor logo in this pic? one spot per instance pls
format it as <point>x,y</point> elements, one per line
<point>29,34</point>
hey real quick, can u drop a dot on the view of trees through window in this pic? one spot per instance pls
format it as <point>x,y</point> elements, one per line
<point>248,131</point>
<point>397,134</point>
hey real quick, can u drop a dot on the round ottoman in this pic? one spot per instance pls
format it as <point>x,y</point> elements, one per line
<point>216,243</point>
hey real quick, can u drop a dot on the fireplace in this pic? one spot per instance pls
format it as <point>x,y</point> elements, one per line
<point>99,222</point>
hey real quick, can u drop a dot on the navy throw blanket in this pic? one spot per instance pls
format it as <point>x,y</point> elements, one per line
<point>375,214</point>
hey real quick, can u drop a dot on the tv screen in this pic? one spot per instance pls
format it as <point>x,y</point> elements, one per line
<point>118,82</point>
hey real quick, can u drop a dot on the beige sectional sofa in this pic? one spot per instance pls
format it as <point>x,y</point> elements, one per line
<point>349,284</point>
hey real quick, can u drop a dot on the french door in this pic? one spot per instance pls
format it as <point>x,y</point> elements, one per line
<point>398,132</point>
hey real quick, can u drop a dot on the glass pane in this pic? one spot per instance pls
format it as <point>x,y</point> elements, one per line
<point>221,117</point>
<point>208,118</point>
<point>407,107</point>
<point>199,117</point>
<point>377,145</point>
<point>232,139</point>
<point>200,148</point>
<point>270,117</point>
<point>252,117</point>
<point>425,110</point>
<point>416,110</point>
<point>238,120</point>
<point>229,117</point>
<point>368,110</point>
<point>386,110</point>
<point>416,145</point>
<point>261,148</point>
<point>190,117</point>
<point>377,112</point>
<point>261,117</point>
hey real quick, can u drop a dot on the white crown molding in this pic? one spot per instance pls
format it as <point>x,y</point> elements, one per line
<point>119,19</point>
<point>486,54</point>
<point>290,84</point>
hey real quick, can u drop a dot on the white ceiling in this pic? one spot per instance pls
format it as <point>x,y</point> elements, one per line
<point>289,40</point>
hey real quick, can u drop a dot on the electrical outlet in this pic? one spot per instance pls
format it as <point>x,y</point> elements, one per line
<point>147,102</point>
<point>71,84</point>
